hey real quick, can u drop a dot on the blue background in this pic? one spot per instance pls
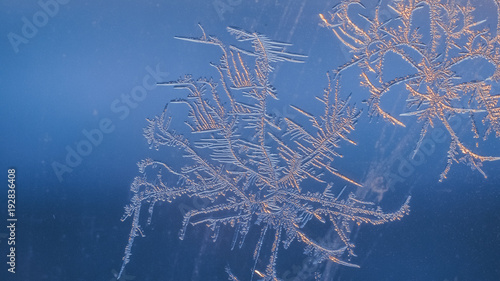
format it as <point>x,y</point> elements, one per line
<point>67,76</point>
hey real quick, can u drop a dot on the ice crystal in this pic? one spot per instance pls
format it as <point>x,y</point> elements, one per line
<point>255,171</point>
<point>435,39</point>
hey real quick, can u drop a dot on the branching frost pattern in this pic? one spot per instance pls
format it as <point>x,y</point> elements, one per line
<point>254,170</point>
<point>435,90</point>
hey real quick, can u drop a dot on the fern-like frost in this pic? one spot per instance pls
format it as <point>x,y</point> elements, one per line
<point>435,90</point>
<point>254,171</point>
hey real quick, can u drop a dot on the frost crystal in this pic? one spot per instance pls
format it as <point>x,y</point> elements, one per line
<point>434,39</point>
<point>255,171</point>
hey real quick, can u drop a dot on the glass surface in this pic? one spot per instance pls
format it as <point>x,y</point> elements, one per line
<point>365,135</point>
